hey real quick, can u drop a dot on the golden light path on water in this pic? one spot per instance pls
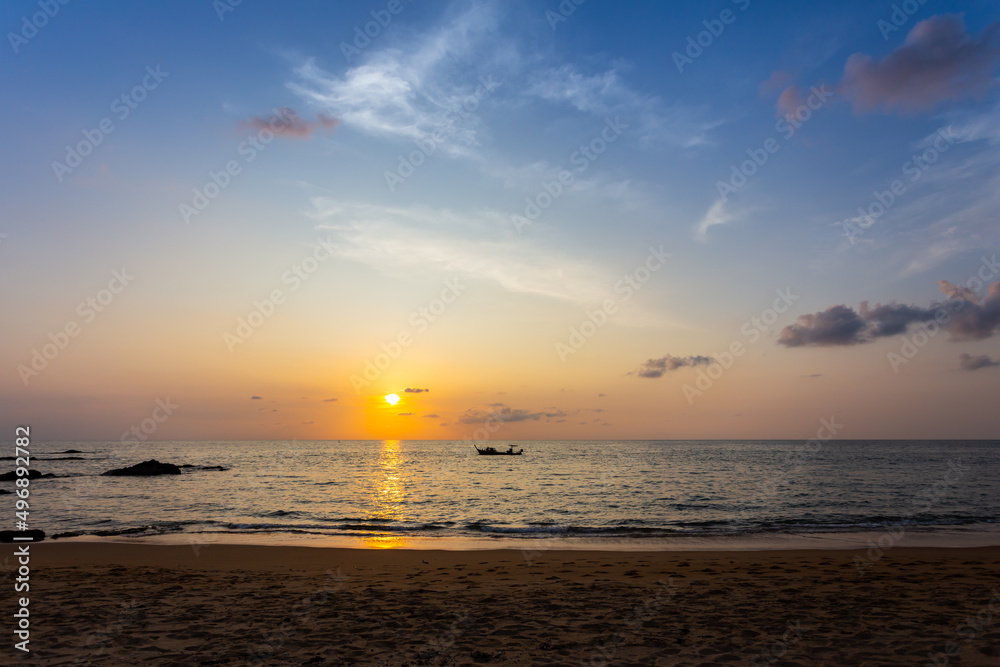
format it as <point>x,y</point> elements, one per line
<point>388,491</point>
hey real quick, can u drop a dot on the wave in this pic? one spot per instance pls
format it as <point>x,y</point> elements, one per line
<point>625,529</point>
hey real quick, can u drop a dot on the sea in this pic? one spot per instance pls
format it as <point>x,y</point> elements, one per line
<point>607,494</point>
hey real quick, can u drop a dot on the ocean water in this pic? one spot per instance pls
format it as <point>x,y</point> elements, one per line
<point>391,493</point>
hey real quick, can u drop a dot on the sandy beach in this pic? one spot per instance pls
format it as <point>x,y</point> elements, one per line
<point>114,603</point>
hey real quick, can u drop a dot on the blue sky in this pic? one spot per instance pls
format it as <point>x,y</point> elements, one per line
<point>498,101</point>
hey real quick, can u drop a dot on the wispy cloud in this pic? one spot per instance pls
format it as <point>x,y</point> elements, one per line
<point>716,215</point>
<point>398,241</point>
<point>412,91</point>
<point>607,93</point>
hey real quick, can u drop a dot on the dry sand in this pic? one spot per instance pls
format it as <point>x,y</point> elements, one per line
<point>114,604</point>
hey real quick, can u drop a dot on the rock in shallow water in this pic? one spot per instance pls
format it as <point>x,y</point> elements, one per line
<point>145,469</point>
<point>32,474</point>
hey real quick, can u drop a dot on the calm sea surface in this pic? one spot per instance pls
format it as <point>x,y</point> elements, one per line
<point>388,492</point>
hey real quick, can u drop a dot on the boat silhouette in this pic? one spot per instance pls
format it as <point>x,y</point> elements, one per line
<point>493,451</point>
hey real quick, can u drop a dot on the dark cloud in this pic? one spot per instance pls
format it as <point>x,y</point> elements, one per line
<point>964,316</point>
<point>837,325</point>
<point>971,363</point>
<point>601,395</point>
<point>404,414</point>
<point>654,368</point>
<point>433,416</point>
<point>893,319</point>
<point>285,122</point>
<point>503,413</point>
<point>255,398</point>
<point>414,390</point>
<point>977,320</point>
<point>307,423</point>
<point>937,62</point>
<point>329,400</point>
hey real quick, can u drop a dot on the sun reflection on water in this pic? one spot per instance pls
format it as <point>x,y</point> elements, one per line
<point>388,493</point>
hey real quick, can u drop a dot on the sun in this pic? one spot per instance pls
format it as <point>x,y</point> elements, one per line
<point>391,399</point>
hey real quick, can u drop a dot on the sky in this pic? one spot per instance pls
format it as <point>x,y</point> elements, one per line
<point>528,220</point>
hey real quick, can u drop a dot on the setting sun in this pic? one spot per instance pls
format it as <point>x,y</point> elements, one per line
<point>392,399</point>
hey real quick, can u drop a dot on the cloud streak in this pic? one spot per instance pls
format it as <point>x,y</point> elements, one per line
<point>399,241</point>
<point>654,368</point>
<point>286,122</point>
<point>502,413</point>
<point>716,215</point>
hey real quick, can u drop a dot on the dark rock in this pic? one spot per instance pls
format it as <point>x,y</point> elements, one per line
<point>145,469</point>
<point>213,468</point>
<point>70,451</point>
<point>32,474</point>
<point>7,536</point>
<point>4,492</point>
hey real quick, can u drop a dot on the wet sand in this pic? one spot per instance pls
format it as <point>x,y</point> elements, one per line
<point>114,603</point>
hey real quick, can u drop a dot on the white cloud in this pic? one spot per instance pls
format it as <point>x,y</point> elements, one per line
<point>608,94</point>
<point>409,93</point>
<point>716,215</point>
<point>398,241</point>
